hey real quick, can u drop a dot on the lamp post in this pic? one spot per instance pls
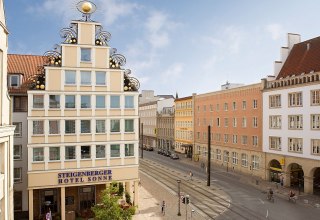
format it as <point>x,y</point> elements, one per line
<point>179,181</point>
<point>187,201</point>
<point>227,153</point>
<point>192,211</point>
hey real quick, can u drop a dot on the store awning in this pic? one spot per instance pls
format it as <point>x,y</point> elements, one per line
<point>276,169</point>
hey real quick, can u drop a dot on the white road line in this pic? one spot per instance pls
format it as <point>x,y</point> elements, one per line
<point>267,213</point>
<point>261,201</point>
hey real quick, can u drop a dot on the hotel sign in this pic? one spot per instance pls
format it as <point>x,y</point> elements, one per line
<point>84,176</point>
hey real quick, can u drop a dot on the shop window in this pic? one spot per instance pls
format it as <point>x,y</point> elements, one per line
<point>20,103</point>
<point>70,152</point>
<point>70,101</point>
<point>38,154</point>
<point>85,152</point>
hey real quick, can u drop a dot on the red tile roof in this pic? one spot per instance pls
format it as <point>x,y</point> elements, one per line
<point>303,58</point>
<point>26,65</point>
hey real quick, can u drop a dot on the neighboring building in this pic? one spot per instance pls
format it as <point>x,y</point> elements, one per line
<point>165,124</point>
<point>21,68</point>
<point>184,125</point>
<point>235,117</point>
<point>6,130</point>
<point>291,131</point>
<point>82,123</point>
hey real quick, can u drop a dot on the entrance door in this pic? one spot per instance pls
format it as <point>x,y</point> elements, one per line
<point>49,199</point>
<point>87,199</point>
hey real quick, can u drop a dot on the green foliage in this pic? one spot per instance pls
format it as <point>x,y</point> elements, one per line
<point>128,198</point>
<point>109,209</point>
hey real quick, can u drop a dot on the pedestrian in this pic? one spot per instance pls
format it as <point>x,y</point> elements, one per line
<point>48,215</point>
<point>281,180</point>
<point>190,174</point>
<point>163,208</point>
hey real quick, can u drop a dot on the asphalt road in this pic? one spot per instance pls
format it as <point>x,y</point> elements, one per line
<point>245,199</point>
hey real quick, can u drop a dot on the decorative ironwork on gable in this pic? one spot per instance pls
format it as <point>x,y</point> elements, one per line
<point>38,81</point>
<point>130,83</point>
<point>70,34</point>
<point>53,57</point>
<point>116,60</point>
<point>102,37</point>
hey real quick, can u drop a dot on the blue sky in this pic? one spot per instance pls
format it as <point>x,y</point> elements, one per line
<point>183,46</point>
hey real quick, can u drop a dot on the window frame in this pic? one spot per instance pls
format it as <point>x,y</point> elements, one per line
<point>19,155</point>
<point>85,57</point>
<point>73,81</point>
<point>17,133</point>
<point>103,149</point>
<point>74,154</point>
<point>127,151</point>
<point>118,151</point>
<point>38,105</point>
<point>40,154</point>
<point>100,82</point>
<point>17,179</point>
<point>54,103</point>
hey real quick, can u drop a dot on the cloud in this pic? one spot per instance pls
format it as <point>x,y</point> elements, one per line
<point>276,30</point>
<point>173,72</point>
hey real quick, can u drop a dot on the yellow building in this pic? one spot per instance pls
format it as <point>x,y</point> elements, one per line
<point>82,123</point>
<point>184,125</point>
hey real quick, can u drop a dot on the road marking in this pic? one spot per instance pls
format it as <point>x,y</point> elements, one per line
<point>261,201</point>
<point>267,213</point>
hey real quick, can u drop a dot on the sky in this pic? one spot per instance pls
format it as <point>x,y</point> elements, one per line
<point>175,46</point>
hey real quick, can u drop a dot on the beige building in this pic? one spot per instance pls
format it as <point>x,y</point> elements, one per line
<point>184,125</point>
<point>6,130</point>
<point>82,123</point>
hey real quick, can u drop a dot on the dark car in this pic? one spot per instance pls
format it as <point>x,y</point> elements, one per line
<point>149,148</point>
<point>167,153</point>
<point>174,156</point>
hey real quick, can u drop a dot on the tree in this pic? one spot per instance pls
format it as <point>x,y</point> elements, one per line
<point>109,208</point>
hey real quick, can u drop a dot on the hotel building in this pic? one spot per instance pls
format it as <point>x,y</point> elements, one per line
<point>82,123</point>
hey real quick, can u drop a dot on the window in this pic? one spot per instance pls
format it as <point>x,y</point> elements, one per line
<point>226,122</point>
<point>218,154</point>
<point>17,152</point>
<point>234,106</point>
<point>17,174</point>
<point>85,54</point>
<point>85,152</point>
<point>85,126</point>
<point>295,121</point>
<point>70,77</point>
<point>226,106</point>
<point>114,101</point>
<point>255,141</point>
<point>115,125</point>
<point>70,101</point>
<point>54,153</point>
<point>235,158</point>
<point>275,101</point>
<point>244,160</point>
<point>100,126</point>
<point>100,151</point>
<point>204,108</point>
<point>129,125</point>
<point>18,129</point>
<point>315,97</point>
<point>218,137</point>
<point>20,103</point>
<point>38,101</point>
<point>100,78</point>
<point>295,99</point>
<point>244,122</point>
<point>129,150</point>
<point>255,103</point>
<point>315,122</point>
<point>115,150</point>
<point>217,107</point>
<point>295,145</point>
<point>244,139</point>
<point>85,101</point>
<point>255,162</point>
<point>198,135</point>
<point>38,127</point>
<point>255,122</point>
<point>234,122</point>
<point>315,146</point>
<point>234,139</point>
<point>70,152</point>
<point>38,154</point>
<point>100,101</point>
<point>85,77</point>
<point>226,138</point>
<point>14,81</point>
<point>244,105</point>
<point>129,102</point>
<point>70,126</point>
<point>54,101</point>
<point>275,143</point>
<point>275,121</point>
<point>226,156</point>
<point>54,127</point>
<point>211,108</point>
<point>218,122</point>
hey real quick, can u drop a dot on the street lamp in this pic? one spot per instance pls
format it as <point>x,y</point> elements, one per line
<point>187,201</point>
<point>179,181</point>
<point>192,211</point>
<point>227,153</point>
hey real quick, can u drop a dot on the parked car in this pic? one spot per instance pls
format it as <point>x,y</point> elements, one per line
<point>174,156</point>
<point>167,153</point>
<point>149,148</point>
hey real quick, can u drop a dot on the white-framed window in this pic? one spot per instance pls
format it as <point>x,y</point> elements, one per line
<point>244,105</point>
<point>217,107</point>
<point>275,101</point>
<point>226,122</point>
<point>315,147</point>
<point>234,122</point>
<point>234,106</point>
<point>54,127</point>
<point>255,162</point>
<point>17,173</point>
<point>274,143</point>
<point>70,101</point>
<point>255,104</point>
<point>85,126</point>
<point>234,139</point>
<point>38,127</point>
<point>315,122</point>
<point>114,101</point>
<point>85,77</point>
<point>100,151</point>
<point>244,139</point>
<point>115,150</point>
<point>86,152</point>
<point>226,156</point>
<point>70,152</point>
<point>14,80</point>
<point>38,101</point>
<point>295,121</point>
<point>211,108</point>
<point>235,158</point>
<point>86,54</point>
<point>244,160</point>
<point>244,122</point>
<point>17,152</point>
<point>100,126</point>
<point>226,138</point>
<point>85,101</point>
<point>54,101</point>
<point>295,99</point>
<point>255,122</point>
<point>129,101</point>
<point>100,101</point>
<point>315,97</point>
<point>100,78</point>
<point>218,154</point>
<point>226,106</point>
<point>18,129</point>
<point>38,154</point>
<point>129,150</point>
<point>54,153</point>
<point>114,125</point>
<point>275,121</point>
<point>254,141</point>
<point>218,137</point>
<point>70,77</point>
<point>295,145</point>
<point>70,126</point>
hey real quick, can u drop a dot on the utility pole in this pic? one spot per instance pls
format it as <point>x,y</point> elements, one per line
<point>142,140</point>
<point>209,156</point>
<point>187,202</point>
<point>179,181</point>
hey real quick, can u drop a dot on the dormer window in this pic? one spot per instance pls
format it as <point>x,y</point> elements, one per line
<point>14,80</point>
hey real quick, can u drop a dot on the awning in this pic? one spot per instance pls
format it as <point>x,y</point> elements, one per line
<point>276,169</point>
